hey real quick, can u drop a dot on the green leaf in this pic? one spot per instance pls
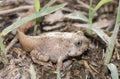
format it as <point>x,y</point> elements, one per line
<point>99,32</point>
<point>37,5</point>
<point>118,14</point>
<point>76,15</point>
<point>90,13</point>
<point>58,73</point>
<point>31,17</point>
<point>49,4</point>
<point>32,72</point>
<point>93,11</point>
<point>110,48</point>
<point>3,51</point>
<point>2,48</point>
<point>113,70</point>
<point>102,2</point>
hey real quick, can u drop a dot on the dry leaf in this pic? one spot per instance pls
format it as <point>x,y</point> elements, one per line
<point>57,16</point>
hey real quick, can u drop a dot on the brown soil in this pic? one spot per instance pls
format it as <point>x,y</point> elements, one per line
<point>89,65</point>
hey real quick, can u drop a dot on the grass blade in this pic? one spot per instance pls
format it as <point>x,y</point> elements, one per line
<point>2,48</point>
<point>58,73</point>
<point>113,70</point>
<point>49,4</point>
<point>99,32</point>
<point>102,2</point>
<point>37,5</point>
<point>31,17</point>
<point>111,44</point>
<point>90,13</point>
<point>76,15</point>
<point>32,72</point>
<point>3,51</point>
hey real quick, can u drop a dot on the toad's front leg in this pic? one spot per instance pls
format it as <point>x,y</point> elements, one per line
<point>40,58</point>
<point>63,65</point>
<point>60,62</point>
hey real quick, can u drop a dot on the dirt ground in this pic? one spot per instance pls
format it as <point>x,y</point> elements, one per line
<point>90,65</point>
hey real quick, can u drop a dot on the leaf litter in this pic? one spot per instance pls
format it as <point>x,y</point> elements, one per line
<point>89,65</point>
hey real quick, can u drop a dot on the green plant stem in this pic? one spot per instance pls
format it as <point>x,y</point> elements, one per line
<point>102,2</point>
<point>32,72</point>
<point>3,51</point>
<point>90,13</point>
<point>35,29</point>
<point>58,73</point>
<point>114,71</point>
<point>113,38</point>
<point>37,5</point>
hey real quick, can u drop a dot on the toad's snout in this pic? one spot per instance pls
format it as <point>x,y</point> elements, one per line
<point>77,51</point>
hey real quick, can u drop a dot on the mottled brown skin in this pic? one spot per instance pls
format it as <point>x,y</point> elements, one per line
<point>54,46</point>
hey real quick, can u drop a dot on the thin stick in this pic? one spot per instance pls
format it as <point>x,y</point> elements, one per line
<point>83,4</point>
<point>15,9</point>
<point>11,43</point>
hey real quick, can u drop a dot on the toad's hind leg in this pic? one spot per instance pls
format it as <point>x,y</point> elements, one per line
<point>38,56</point>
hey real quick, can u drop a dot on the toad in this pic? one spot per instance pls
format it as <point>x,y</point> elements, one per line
<point>54,46</point>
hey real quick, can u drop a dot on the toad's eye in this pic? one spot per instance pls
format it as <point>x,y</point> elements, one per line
<point>78,43</point>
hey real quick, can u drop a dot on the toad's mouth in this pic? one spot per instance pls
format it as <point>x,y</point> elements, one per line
<point>73,54</point>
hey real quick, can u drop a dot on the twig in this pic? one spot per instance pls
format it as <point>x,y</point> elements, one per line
<point>15,9</point>
<point>89,69</point>
<point>83,4</point>
<point>15,39</point>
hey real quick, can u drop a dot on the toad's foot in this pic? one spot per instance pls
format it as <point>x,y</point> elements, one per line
<point>64,67</point>
<point>61,65</point>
